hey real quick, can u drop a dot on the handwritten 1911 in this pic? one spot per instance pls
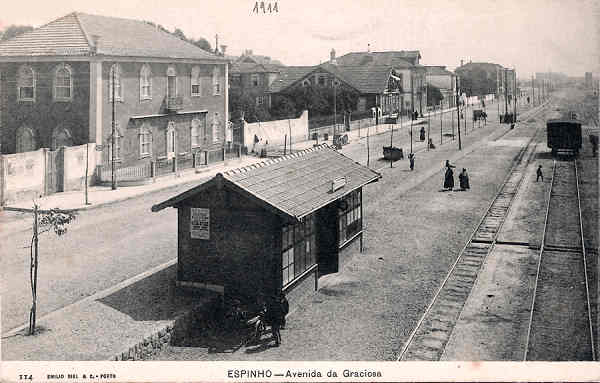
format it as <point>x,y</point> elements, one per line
<point>265,7</point>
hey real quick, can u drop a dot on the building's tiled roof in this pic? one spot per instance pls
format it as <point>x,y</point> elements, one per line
<point>367,79</point>
<point>258,59</point>
<point>61,37</point>
<point>71,35</point>
<point>242,67</point>
<point>397,59</point>
<point>288,75</point>
<point>436,70</point>
<point>490,67</point>
<point>294,185</point>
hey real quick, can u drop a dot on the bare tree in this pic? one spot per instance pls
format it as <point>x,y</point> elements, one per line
<point>43,221</point>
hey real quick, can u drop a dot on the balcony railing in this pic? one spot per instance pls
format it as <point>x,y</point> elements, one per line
<point>174,103</point>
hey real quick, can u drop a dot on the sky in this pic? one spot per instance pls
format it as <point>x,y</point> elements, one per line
<point>529,35</point>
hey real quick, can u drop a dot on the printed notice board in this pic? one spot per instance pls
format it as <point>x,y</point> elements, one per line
<point>200,223</point>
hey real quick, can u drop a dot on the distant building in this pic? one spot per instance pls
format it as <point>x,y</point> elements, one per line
<point>411,75</point>
<point>57,87</point>
<point>444,80</point>
<point>254,80</point>
<point>589,80</point>
<point>248,57</point>
<point>380,79</point>
<point>481,78</point>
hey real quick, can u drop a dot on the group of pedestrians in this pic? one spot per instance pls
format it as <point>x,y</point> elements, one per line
<point>463,178</point>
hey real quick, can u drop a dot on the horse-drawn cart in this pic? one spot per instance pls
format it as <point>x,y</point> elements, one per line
<point>392,153</point>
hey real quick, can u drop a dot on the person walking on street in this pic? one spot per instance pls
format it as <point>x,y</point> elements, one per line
<point>285,308</point>
<point>411,158</point>
<point>539,174</point>
<point>449,176</point>
<point>274,315</point>
<point>463,179</point>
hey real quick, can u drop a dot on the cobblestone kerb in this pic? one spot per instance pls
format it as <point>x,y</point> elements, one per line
<point>171,334</point>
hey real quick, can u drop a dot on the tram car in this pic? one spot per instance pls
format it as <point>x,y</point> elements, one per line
<point>564,134</point>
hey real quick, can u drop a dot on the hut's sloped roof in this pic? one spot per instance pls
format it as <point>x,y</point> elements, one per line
<point>294,185</point>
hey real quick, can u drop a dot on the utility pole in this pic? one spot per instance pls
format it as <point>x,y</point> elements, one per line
<point>532,91</point>
<point>87,159</point>
<point>114,128</point>
<point>368,148</point>
<point>515,94</point>
<point>441,123</point>
<point>452,122</point>
<point>428,115</point>
<point>505,94</point>
<point>290,129</point>
<point>411,133</point>
<point>458,115</point>
<point>391,146</point>
<point>334,110</point>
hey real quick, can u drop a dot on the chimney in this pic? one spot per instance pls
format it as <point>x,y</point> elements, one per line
<point>461,62</point>
<point>223,49</point>
<point>216,44</point>
<point>95,43</point>
<point>332,59</point>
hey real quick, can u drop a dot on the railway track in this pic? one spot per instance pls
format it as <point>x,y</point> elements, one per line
<point>432,332</point>
<point>560,325</point>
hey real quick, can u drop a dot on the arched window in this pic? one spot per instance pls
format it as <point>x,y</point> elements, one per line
<point>63,83</point>
<point>26,84</point>
<point>306,82</point>
<point>145,141</point>
<point>171,82</point>
<point>198,133</point>
<point>115,75</point>
<point>25,140</point>
<point>196,89</point>
<point>216,81</point>
<point>61,137</point>
<point>171,140</point>
<point>145,83</point>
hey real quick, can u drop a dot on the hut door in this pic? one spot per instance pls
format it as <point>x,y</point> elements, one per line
<point>327,256</point>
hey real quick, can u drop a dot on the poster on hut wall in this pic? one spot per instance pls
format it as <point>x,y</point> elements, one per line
<point>200,223</point>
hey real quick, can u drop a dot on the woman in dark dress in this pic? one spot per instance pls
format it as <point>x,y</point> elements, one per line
<point>463,179</point>
<point>449,176</point>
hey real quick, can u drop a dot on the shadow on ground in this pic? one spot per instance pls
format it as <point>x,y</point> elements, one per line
<point>198,315</point>
<point>155,298</point>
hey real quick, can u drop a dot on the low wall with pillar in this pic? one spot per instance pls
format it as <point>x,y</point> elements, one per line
<point>275,132</point>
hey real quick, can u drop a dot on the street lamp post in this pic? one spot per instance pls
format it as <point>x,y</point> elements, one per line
<point>113,138</point>
<point>334,109</point>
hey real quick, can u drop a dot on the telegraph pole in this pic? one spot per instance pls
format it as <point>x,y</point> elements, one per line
<point>334,111</point>
<point>458,115</point>
<point>114,128</point>
<point>505,94</point>
<point>515,94</point>
<point>441,123</point>
<point>532,91</point>
<point>428,115</point>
